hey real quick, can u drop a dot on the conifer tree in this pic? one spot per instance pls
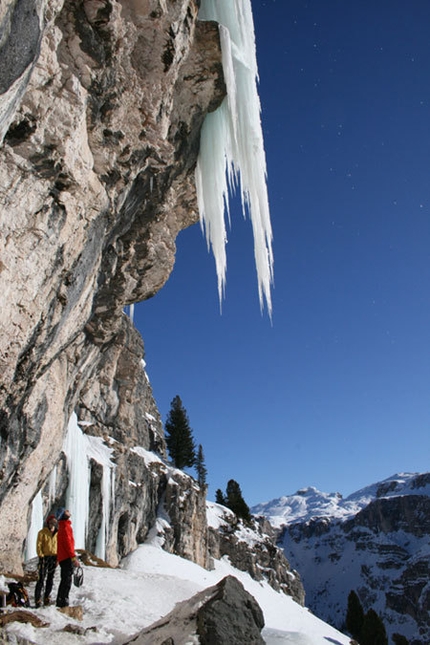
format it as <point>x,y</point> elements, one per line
<point>235,502</point>
<point>219,497</point>
<point>354,616</point>
<point>201,467</point>
<point>373,632</point>
<point>179,437</point>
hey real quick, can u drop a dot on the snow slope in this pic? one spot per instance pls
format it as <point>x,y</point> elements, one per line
<point>117,603</point>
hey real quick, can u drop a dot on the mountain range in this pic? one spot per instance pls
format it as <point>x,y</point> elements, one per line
<point>375,542</point>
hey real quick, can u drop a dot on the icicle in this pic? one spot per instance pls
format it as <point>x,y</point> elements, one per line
<point>77,496</point>
<point>36,523</point>
<point>232,148</point>
<point>52,486</point>
<point>101,453</point>
<point>132,312</point>
<point>79,449</point>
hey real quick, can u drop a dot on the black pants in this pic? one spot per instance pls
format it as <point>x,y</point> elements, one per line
<point>46,571</point>
<point>66,567</point>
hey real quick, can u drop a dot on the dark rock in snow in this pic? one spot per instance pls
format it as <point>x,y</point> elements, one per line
<point>225,614</point>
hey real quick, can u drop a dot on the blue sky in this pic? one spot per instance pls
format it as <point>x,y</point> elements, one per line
<point>336,392</point>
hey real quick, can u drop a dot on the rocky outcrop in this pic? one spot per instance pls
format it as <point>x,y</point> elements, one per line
<point>252,549</point>
<point>101,104</point>
<point>225,614</point>
<point>381,552</point>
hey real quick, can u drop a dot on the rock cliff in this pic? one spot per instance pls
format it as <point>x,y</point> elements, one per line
<point>252,548</point>
<point>101,105</point>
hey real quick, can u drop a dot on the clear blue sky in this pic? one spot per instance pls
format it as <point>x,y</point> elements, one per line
<point>336,393</point>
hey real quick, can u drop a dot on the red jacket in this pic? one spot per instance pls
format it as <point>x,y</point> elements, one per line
<point>65,541</point>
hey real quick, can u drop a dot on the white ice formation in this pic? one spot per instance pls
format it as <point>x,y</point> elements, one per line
<point>232,147</point>
<point>79,449</point>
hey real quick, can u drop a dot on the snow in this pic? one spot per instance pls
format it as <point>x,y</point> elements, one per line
<point>232,147</point>
<point>118,603</point>
<point>306,504</point>
<point>309,503</point>
<point>218,515</point>
<point>148,456</point>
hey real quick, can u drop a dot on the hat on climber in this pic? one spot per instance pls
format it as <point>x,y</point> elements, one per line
<point>60,512</point>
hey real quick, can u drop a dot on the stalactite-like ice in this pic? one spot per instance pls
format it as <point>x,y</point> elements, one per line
<point>232,148</point>
<point>79,449</point>
<point>77,496</point>
<point>36,523</point>
<point>101,453</point>
<point>52,485</point>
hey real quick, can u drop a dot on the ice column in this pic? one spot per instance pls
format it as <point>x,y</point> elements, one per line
<point>36,523</point>
<point>77,496</point>
<point>101,453</point>
<point>232,147</point>
<point>80,449</point>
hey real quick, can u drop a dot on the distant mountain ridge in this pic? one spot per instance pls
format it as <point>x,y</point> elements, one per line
<point>375,541</point>
<point>308,503</point>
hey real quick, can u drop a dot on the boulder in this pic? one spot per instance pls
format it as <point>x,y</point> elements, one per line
<point>225,614</point>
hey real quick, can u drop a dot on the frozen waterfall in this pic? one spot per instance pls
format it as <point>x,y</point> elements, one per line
<point>80,449</point>
<point>232,148</point>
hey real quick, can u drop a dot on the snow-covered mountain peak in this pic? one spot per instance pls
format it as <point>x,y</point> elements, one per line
<point>394,486</point>
<point>309,502</point>
<point>303,505</point>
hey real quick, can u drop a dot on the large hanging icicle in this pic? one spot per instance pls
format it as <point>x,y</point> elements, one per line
<point>232,148</point>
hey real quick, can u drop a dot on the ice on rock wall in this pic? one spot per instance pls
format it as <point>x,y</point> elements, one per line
<point>36,523</point>
<point>79,449</point>
<point>78,467</point>
<point>232,149</point>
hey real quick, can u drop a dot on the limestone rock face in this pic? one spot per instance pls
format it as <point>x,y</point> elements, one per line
<point>101,104</point>
<point>185,504</point>
<point>225,614</point>
<point>253,549</point>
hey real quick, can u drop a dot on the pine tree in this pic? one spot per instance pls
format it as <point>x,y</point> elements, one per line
<point>220,497</point>
<point>373,632</point>
<point>235,502</point>
<point>201,467</point>
<point>179,437</point>
<point>354,616</point>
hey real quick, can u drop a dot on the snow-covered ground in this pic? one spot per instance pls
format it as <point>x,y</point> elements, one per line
<point>117,603</point>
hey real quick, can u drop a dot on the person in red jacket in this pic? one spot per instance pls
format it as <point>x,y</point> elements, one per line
<point>66,557</point>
